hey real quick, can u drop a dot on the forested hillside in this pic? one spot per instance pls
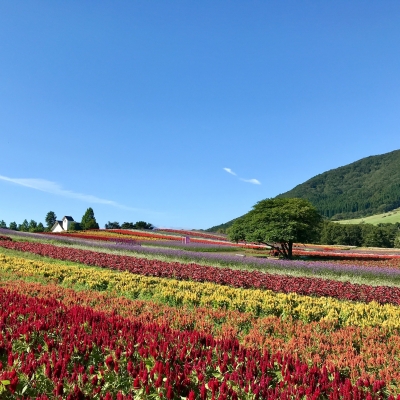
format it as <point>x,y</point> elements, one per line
<point>366,187</point>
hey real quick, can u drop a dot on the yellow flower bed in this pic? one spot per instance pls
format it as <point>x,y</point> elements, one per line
<point>172,291</point>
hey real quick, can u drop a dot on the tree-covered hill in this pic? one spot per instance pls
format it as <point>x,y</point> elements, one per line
<point>365,187</point>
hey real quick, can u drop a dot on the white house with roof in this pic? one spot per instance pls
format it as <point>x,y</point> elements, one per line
<point>63,225</point>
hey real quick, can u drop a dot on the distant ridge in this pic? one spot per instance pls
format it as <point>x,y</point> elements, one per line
<point>365,187</point>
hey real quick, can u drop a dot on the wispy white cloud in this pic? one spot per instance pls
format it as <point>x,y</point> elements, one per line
<point>54,188</point>
<point>229,171</point>
<point>254,181</point>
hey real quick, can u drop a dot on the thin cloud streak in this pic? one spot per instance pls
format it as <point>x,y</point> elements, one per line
<point>229,171</point>
<point>253,181</point>
<point>54,188</point>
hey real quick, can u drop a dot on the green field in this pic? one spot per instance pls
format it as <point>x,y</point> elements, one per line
<point>389,217</point>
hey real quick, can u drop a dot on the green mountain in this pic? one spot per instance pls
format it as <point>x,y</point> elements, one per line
<point>366,187</point>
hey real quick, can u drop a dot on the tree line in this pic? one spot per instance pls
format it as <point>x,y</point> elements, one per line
<point>128,225</point>
<point>88,221</point>
<point>365,235</point>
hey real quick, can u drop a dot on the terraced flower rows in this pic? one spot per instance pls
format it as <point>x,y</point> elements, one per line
<point>206,294</point>
<point>142,329</point>
<point>224,276</point>
<point>361,352</point>
<point>110,235</point>
<point>76,352</point>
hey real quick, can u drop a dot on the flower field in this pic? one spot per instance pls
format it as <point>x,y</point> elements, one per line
<point>194,234</point>
<point>200,273</point>
<point>87,324</point>
<point>110,235</point>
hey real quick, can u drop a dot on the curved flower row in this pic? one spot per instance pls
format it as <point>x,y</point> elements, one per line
<point>175,292</point>
<point>360,352</point>
<point>193,233</point>
<point>94,234</point>
<point>224,276</point>
<point>76,352</point>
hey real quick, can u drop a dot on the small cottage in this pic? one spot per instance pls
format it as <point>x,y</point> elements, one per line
<point>63,225</point>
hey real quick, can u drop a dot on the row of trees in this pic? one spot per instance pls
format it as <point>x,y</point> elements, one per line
<point>280,222</point>
<point>31,226</point>
<point>88,221</point>
<point>128,225</point>
<point>366,235</point>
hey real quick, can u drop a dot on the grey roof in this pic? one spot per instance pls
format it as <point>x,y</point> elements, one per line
<point>57,222</point>
<point>68,218</point>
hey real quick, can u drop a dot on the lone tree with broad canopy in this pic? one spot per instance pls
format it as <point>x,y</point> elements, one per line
<point>88,220</point>
<point>278,223</point>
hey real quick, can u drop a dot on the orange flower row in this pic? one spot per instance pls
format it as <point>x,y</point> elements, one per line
<point>358,352</point>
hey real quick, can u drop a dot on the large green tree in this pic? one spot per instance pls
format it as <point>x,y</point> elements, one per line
<point>88,220</point>
<point>278,223</point>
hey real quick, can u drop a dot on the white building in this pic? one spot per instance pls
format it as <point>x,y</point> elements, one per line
<point>63,225</point>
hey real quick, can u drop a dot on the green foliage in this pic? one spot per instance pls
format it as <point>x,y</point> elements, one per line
<point>278,223</point>
<point>143,225</point>
<point>3,224</point>
<point>397,242</point>
<point>51,219</point>
<point>13,226</point>
<point>74,226</point>
<point>128,225</point>
<point>112,225</point>
<point>32,225</point>
<point>88,220</point>
<point>137,225</point>
<point>24,227</point>
<point>35,227</point>
<point>40,227</point>
<point>366,187</point>
<point>366,235</point>
<point>334,233</point>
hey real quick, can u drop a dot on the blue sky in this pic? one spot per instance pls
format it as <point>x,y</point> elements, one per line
<point>185,114</point>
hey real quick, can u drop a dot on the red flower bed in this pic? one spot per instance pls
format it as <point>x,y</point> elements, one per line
<point>224,276</point>
<point>55,351</point>
<point>2,237</point>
